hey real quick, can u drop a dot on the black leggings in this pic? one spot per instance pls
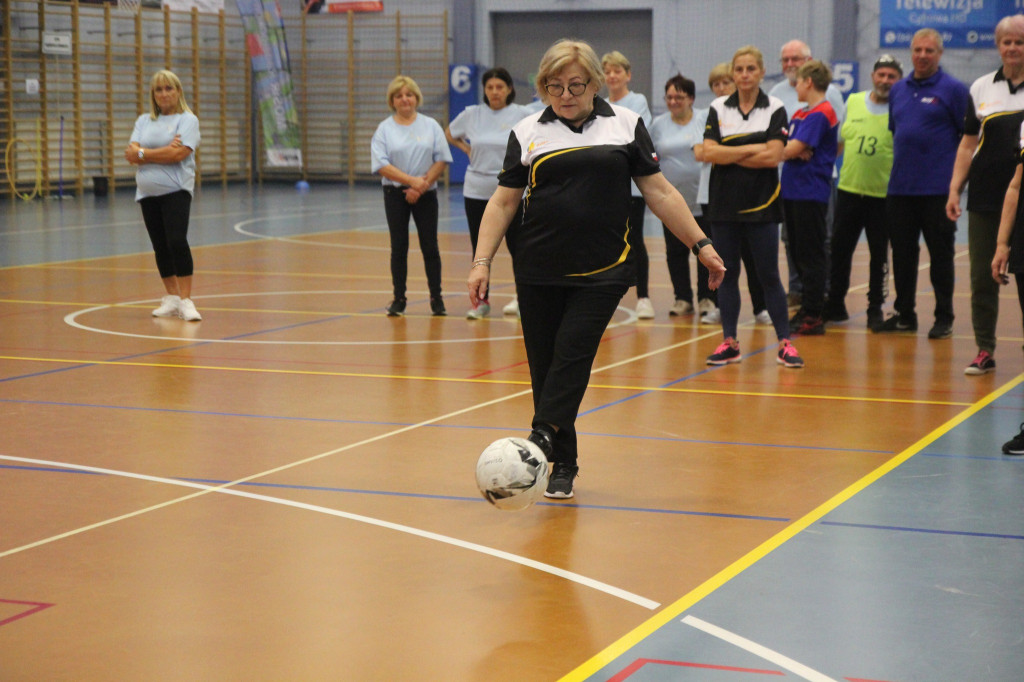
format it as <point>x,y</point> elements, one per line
<point>166,218</point>
<point>638,247</point>
<point>424,212</point>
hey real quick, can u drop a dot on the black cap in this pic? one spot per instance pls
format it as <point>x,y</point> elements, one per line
<point>887,60</point>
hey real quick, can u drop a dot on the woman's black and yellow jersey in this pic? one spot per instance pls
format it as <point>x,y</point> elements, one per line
<point>735,193</point>
<point>994,113</point>
<point>575,224</point>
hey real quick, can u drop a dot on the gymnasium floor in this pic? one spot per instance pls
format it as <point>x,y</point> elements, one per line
<point>284,491</point>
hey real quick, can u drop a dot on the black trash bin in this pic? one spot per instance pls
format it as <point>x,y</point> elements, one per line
<point>100,186</point>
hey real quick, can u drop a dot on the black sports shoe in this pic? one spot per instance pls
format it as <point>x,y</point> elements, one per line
<point>874,318</point>
<point>437,307</point>
<point>560,482</point>
<point>396,308</point>
<point>941,330</point>
<point>835,313</point>
<point>811,326</point>
<point>542,440</point>
<point>897,323</point>
<point>1015,446</point>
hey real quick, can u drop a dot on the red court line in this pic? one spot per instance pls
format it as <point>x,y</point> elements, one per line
<point>641,662</point>
<point>38,606</point>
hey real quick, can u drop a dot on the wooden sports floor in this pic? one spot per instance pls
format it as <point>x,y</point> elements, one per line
<point>285,490</point>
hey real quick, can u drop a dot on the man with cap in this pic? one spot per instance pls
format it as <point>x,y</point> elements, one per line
<point>926,117</point>
<point>866,142</point>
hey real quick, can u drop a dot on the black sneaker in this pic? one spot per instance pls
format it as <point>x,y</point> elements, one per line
<point>875,318</point>
<point>811,326</point>
<point>437,307</point>
<point>1014,446</point>
<point>560,482</point>
<point>941,330</point>
<point>542,440</point>
<point>835,313</point>
<point>897,323</point>
<point>396,308</point>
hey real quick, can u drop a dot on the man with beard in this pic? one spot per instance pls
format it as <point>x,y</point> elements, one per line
<point>866,142</point>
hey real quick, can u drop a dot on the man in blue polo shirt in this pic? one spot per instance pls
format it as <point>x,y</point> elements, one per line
<point>926,117</point>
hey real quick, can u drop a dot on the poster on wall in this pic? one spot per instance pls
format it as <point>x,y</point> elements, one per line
<point>271,72</point>
<point>962,23</point>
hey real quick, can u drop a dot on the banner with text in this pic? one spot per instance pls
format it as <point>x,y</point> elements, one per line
<point>268,50</point>
<point>962,23</point>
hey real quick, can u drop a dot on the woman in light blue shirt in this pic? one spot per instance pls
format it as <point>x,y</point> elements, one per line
<point>481,131</point>
<point>162,147</point>
<point>675,133</point>
<point>410,153</point>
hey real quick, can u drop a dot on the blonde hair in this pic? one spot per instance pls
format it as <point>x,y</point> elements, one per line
<point>399,82</point>
<point>720,72</point>
<point>615,58</point>
<point>748,50</point>
<point>561,55</point>
<point>928,33</point>
<point>1011,25</point>
<point>165,77</point>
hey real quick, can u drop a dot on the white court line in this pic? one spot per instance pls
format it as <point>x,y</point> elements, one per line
<point>238,227</point>
<point>71,319</point>
<point>472,546</point>
<point>226,489</point>
<point>758,650</point>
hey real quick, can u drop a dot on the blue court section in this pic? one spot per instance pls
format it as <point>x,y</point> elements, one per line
<point>916,577</point>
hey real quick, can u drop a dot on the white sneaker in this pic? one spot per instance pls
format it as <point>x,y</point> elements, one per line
<point>680,308</point>
<point>644,309</point>
<point>188,311</point>
<point>713,316</point>
<point>705,305</point>
<point>511,308</point>
<point>168,306</point>
<point>763,317</point>
<point>481,311</point>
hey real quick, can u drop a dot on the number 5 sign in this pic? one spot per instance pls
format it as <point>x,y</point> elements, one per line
<point>844,76</point>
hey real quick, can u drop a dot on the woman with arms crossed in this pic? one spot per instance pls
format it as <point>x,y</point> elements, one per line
<point>163,146</point>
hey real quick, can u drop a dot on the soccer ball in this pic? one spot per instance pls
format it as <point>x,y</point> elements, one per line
<point>512,473</point>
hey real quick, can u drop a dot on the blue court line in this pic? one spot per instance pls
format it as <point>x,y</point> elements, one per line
<point>671,383</point>
<point>422,496</point>
<point>985,458</point>
<point>931,531</point>
<point>364,422</point>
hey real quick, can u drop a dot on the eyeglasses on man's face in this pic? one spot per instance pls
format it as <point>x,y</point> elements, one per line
<point>575,89</point>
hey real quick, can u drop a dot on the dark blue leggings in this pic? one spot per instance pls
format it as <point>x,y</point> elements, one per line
<point>424,212</point>
<point>763,242</point>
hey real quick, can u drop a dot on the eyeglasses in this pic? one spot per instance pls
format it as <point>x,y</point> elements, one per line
<point>575,89</point>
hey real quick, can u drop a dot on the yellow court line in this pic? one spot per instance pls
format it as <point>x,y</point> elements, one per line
<point>705,589</point>
<point>463,380</point>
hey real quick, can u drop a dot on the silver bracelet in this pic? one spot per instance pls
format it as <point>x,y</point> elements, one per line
<point>482,261</point>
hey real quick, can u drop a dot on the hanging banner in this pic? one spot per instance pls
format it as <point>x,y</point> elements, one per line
<point>268,50</point>
<point>318,6</point>
<point>211,6</point>
<point>962,23</point>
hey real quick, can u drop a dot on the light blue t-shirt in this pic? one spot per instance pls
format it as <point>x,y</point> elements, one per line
<point>637,103</point>
<point>157,179</point>
<point>487,131</point>
<point>413,148</point>
<point>674,144</point>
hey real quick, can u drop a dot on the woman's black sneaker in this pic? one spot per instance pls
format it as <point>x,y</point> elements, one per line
<point>396,308</point>
<point>437,307</point>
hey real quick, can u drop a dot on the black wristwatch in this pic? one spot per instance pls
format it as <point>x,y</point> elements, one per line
<point>700,245</point>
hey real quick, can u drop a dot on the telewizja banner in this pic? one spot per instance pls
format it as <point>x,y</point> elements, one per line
<point>962,23</point>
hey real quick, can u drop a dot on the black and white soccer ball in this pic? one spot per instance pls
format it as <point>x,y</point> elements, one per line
<point>512,473</point>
